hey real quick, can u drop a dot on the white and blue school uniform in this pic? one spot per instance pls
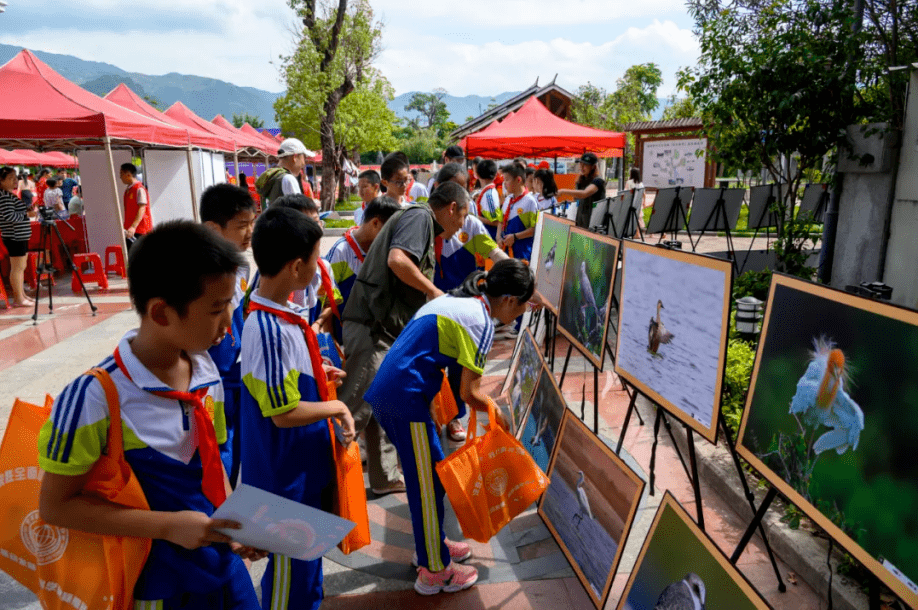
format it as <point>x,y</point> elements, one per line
<point>345,259</point>
<point>488,207</point>
<point>462,254</point>
<point>295,463</point>
<point>159,445</point>
<point>226,355</point>
<point>520,213</point>
<point>447,332</point>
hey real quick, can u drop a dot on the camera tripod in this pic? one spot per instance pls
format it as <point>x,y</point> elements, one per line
<point>43,265</point>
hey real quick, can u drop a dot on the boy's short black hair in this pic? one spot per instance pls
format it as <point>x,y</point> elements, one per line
<point>448,172</point>
<point>130,168</point>
<point>221,202</point>
<point>174,261</point>
<point>281,235</point>
<point>371,176</point>
<point>296,201</point>
<point>486,169</point>
<point>383,207</point>
<point>514,170</point>
<point>51,182</point>
<point>393,162</point>
<point>447,193</point>
<point>454,152</point>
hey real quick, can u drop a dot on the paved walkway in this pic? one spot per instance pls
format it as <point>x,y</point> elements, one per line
<point>521,568</point>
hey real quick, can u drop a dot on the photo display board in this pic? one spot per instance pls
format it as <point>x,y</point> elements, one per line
<point>590,505</point>
<point>620,211</point>
<point>525,367</point>
<point>704,205</point>
<point>677,359</point>
<point>681,567</point>
<point>831,420</point>
<point>539,428</point>
<point>674,162</point>
<point>814,203</point>
<point>663,218</point>
<point>589,271</point>
<point>552,255</point>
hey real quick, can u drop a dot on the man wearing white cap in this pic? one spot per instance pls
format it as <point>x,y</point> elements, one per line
<point>283,179</point>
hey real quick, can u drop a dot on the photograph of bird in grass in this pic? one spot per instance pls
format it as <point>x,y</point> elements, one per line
<point>587,291</point>
<point>832,418</point>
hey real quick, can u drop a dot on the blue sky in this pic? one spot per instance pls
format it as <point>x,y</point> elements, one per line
<point>479,47</point>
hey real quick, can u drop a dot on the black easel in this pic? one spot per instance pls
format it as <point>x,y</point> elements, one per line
<point>767,212</point>
<point>672,219</point>
<point>720,213</point>
<point>567,359</point>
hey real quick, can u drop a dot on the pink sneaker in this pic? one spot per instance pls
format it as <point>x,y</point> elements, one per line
<point>455,431</point>
<point>458,551</point>
<point>456,577</point>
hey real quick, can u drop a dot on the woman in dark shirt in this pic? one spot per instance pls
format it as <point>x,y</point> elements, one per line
<point>16,230</point>
<point>589,189</point>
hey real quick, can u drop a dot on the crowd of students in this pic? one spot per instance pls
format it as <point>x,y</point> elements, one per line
<point>228,377</point>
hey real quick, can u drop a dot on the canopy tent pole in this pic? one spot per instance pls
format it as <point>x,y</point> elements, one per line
<point>111,164</point>
<point>194,205</point>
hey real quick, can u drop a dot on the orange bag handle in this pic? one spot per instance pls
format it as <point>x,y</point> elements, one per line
<point>473,421</point>
<point>115,447</point>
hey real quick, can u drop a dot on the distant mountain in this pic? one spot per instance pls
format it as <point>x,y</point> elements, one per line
<point>207,97</point>
<point>460,108</point>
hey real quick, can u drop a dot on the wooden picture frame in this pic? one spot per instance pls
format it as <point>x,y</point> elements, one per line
<point>853,457</point>
<point>671,517</point>
<point>540,427</point>
<point>685,376</point>
<point>576,313</point>
<point>612,491</point>
<point>527,345</point>
<point>556,230</point>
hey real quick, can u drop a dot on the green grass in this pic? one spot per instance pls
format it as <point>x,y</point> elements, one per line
<point>351,204</point>
<point>343,223</point>
<point>741,225</point>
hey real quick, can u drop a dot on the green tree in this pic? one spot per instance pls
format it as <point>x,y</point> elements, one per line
<point>241,119</point>
<point>680,108</point>
<point>430,106</point>
<point>422,146</point>
<point>333,59</point>
<point>153,101</point>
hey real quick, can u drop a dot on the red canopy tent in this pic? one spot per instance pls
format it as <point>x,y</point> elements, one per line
<point>181,113</point>
<point>269,140</point>
<point>123,96</point>
<point>534,131</point>
<point>256,141</point>
<point>59,159</point>
<point>20,157</point>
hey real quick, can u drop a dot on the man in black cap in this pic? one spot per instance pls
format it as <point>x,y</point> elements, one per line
<point>589,189</point>
<point>453,154</point>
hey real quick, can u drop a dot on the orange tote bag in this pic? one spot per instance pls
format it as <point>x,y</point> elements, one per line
<point>490,480</point>
<point>67,569</point>
<point>444,408</point>
<point>350,497</point>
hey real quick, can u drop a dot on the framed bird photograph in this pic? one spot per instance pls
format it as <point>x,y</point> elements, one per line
<point>590,505</point>
<point>680,568</point>
<point>525,368</point>
<point>539,428</point>
<point>551,256</point>
<point>674,316</point>
<point>583,316</point>
<point>831,420</point>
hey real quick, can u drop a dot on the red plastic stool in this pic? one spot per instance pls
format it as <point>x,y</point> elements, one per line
<point>3,294</point>
<point>118,265</point>
<point>31,273</point>
<point>97,275</point>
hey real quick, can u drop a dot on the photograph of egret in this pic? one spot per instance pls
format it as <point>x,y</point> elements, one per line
<point>584,308</point>
<point>674,316</point>
<point>680,568</point>
<point>831,420</point>
<point>525,368</point>
<point>552,254</point>
<point>589,505</point>
<point>542,422</point>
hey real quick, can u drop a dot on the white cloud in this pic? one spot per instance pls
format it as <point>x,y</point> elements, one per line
<point>489,68</point>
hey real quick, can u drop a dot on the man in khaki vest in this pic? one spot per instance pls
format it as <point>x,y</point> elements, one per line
<point>395,280</point>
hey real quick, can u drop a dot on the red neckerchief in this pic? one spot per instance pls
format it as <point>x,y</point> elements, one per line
<point>312,343</point>
<point>481,196</point>
<point>484,302</point>
<point>329,290</point>
<point>513,201</point>
<point>408,191</point>
<point>205,437</point>
<point>355,247</point>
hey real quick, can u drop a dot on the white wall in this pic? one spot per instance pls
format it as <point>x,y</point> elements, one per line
<point>103,206</point>
<point>902,250</point>
<point>169,185</point>
<point>209,169</point>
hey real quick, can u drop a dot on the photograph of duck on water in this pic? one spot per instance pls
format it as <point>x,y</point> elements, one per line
<point>674,316</point>
<point>583,315</point>
<point>831,420</point>
<point>551,256</point>
<point>590,505</point>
